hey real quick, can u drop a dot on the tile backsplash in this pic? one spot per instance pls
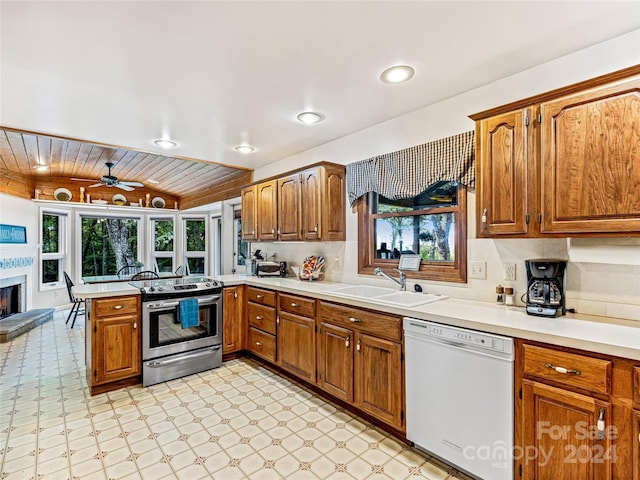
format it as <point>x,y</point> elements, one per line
<point>15,262</point>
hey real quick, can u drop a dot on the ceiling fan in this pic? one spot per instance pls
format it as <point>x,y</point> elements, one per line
<point>109,180</point>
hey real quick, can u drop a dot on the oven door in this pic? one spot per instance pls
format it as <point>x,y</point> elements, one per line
<point>162,332</point>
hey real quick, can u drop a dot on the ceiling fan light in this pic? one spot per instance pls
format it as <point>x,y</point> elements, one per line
<point>310,117</point>
<point>165,143</point>
<point>397,74</point>
<point>244,149</point>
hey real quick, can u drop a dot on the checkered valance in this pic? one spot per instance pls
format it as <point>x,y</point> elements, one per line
<point>408,172</point>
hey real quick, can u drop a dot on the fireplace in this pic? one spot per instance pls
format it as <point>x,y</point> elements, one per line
<point>12,295</point>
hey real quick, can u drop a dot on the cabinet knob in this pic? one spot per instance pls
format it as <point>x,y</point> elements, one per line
<point>484,219</point>
<point>235,294</point>
<point>135,325</point>
<point>259,317</point>
<point>253,232</point>
<point>117,307</point>
<point>358,346</point>
<point>347,341</point>
<point>273,230</point>
<point>259,344</point>
<point>294,304</point>
<point>259,297</point>
<point>354,319</point>
<point>600,425</point>
<point>316,228</point>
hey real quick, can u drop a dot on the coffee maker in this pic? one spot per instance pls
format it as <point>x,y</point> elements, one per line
<point>545,287</point>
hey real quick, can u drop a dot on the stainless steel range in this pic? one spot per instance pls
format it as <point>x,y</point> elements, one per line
<point>171,348</point>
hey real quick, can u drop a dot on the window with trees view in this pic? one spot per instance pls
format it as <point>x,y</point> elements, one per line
<point>163,244</point>
<point>108,244</point>
<point>431,224</point>
<point>195,235</point>
<point>52,255</point>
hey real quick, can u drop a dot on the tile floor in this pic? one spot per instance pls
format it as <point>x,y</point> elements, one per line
<point>240,421</point>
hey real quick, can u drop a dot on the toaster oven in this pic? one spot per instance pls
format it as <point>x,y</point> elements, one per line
<point>271,269</point>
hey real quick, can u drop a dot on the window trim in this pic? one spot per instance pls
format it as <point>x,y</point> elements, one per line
<point>151,245</point>
<point>62,255</point>
<point>187,254</point>
<point>455,271</point>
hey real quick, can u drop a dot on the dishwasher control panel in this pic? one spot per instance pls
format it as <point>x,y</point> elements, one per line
<point>460,336</point>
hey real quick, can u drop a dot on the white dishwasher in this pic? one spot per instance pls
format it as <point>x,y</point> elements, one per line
<point>459,386</point>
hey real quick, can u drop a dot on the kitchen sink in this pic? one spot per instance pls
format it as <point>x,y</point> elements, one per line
<point>388,296</point>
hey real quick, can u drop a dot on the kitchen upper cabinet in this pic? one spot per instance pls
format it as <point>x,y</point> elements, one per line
<point>267,222</point>
<point>249,212</point>
<point>233,321</point>
<point>335,361</point>
<point>590,163</point>
<point>562,163</point>
<point>301,205</point>
<point>113,341</point>
<point>289,208</point>
<point>502,176</point>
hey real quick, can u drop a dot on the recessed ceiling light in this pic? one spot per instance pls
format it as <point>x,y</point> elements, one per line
<point>244,149</point>
<point>310,117</point>
<point>151,180</point>
<point>397,74</point>
<point>41,168</point>
<point>164,143</point>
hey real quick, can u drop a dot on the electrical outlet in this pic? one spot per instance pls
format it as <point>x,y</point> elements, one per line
<point>56,293</point>
<point>337,260</point>
<point>478,270</point>
<point>510,272</point>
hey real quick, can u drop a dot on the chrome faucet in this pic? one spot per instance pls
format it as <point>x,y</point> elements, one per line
<point>402,281</point>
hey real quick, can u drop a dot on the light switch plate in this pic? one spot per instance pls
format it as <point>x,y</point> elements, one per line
<point>510,272</point>
<point>478,270</point>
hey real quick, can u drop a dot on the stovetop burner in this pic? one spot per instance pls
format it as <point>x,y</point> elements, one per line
<point>191,285</point>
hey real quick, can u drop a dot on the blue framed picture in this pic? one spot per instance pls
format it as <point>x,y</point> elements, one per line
<point>13,234</point>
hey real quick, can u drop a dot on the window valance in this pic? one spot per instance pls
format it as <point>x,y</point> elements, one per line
<point>408,172</point>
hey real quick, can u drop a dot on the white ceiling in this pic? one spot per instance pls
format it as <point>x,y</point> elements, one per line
<point>214,74</point>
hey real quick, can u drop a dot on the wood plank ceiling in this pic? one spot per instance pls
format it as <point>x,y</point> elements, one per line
<point>24,156</point>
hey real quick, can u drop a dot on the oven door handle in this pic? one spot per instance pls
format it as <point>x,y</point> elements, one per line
<point>201,301</point>
<point>199,353</point>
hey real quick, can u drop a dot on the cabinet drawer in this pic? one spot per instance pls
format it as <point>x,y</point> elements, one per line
<point>262,317</point>
<point>298,305</point>
<point>570,369</point>
<point>262,344</point>
<point>105,307</point>
<point>263,297</point>
<point>378,324</point>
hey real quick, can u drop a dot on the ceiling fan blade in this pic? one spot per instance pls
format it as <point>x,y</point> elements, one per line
<point>132,184</point>
<point>83,179</point>
<point>96,185</point>
<point>124,187</point>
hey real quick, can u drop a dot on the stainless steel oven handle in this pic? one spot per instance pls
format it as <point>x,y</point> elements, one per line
<point>201,301</point>
<point>201,353</point>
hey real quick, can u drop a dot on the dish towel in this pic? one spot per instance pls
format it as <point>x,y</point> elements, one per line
<point>189,314</point>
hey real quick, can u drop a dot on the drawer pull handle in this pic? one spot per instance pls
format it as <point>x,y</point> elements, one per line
<point>358,347</point>
<point>294,304</point>
<point>347,341</point>
<point>601,425</point>
<point>135,325</point>
<point>116,307</point>
<point>354,319</point>
<point>259,344</point>
<point>562,369</point>
<point>259,317</point>
<point>259,297</point>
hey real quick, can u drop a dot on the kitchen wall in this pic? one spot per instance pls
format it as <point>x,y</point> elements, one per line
<point>593,287</point>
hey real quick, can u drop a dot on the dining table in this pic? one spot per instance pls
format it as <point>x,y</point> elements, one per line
<point>123,278</point>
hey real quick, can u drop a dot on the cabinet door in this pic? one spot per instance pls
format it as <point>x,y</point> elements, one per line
<point>335,361</point>
<point>117,348</point>
<point>502,174</point>
<point>589,162</point>
<point>560,433</point>
<point>267,222</point>
<point>232,326</point>
<point>636,445</point>
<point>312,203</point>
<point>289,208</point>
<point>249,213</point>
<point>296,345</point>
<point>378,379</point>
<point>333,204</point>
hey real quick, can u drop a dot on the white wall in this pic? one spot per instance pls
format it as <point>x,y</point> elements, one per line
<point>600,289</point>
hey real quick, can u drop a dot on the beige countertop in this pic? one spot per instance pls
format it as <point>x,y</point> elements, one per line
<point>597,334</point>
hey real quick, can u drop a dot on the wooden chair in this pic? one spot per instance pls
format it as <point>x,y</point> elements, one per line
<point>76,302</point>
<point>145,275</point>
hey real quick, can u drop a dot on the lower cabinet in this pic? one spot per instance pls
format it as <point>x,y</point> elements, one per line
<point>113,357</point>
<point>335,361</point>
<point>233,319</point>
<point>636,445</point>
<point>296,345</point>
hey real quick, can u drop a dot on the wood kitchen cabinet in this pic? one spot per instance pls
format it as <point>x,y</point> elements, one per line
<point>305,204</point>
<point>371,344</point>
<point>249,212</point>
<point>233,319</point>
<point>296,339</point>
<point>574,416</point>
<point>560,163</point>
<point>113,343</point>
<point>636,445</point>
<point>261,322</point>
